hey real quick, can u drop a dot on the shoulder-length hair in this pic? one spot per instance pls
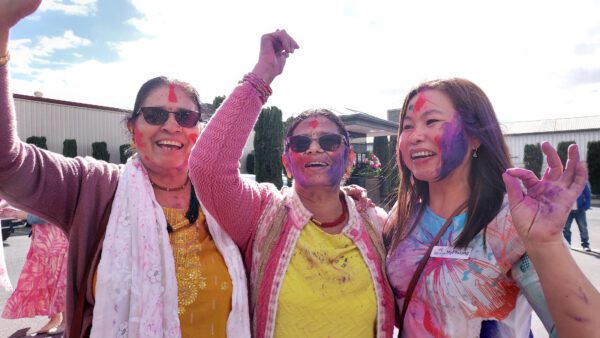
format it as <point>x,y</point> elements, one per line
<point>485,180</point>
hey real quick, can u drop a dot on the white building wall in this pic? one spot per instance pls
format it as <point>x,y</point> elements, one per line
<point>58,122</point>
<point>516,143</point>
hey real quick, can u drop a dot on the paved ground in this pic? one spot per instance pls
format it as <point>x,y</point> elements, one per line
<point>15,250</point>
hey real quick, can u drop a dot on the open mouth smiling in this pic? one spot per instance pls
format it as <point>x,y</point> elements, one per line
<point>315,165</point>
<point>169,144</point>
<point>421,154</point>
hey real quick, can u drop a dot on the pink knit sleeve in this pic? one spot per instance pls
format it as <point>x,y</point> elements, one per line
<point>236,203</point>
<point>41,182</point>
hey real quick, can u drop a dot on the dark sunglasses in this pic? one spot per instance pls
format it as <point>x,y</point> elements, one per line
<point>327,142</point>
<point>157,116</point>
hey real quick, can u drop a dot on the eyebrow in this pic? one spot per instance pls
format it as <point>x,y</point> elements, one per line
<point>424,113</point>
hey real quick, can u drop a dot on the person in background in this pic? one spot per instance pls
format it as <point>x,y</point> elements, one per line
<point>41,288</point>
<point>584,203</point>
<point>4,278</point>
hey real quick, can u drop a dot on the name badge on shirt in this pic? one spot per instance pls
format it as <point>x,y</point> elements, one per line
<point>450,252</point>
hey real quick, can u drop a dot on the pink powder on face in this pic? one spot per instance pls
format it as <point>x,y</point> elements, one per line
<point>172,95</point>
<point>314,124</point>
<point>193,137</point>
<point>420,103</point>
<point>137,136</point>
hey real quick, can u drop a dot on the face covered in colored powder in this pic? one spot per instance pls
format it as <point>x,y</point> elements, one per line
<point>315,167</point>
<point>433,142</point>
<point>167,146</point>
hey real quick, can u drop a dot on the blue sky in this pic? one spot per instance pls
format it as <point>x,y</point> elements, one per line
<point>535,59</point>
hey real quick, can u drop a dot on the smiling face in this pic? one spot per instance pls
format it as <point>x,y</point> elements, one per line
<point>165,147</point>
<point>315,167</point>
<point>433,142</point>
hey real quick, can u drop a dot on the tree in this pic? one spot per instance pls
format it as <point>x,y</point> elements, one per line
<point>38,141</point>
<point>533,158</point>
<point>217,101</point>
<point>268,146</point>
<point>562,150</point>
<point>100,151</point>
<point>124,152</point>
<point>70,148</point>
<point>250,162</point>
<point>286,124</point>
<point>593,164</point>
<point>390,172</point>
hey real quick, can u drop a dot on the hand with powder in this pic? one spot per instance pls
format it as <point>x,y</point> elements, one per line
<point>539,216</point>
<point>11,12</point>
<point>274,49</point>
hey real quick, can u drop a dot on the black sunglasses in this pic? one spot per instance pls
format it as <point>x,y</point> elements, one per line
<point>157,116</point>
<point>327,142</point>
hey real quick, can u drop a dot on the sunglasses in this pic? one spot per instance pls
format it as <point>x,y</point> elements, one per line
<point>327,142</point>
<point>158,116</point>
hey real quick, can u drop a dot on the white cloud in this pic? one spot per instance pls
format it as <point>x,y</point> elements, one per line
<point>355,54</point>
<point>72,7</point>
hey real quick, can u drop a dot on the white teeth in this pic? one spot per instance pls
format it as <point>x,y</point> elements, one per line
<point>421,154</point>
<point>169,143</point>
<point>316,164</point>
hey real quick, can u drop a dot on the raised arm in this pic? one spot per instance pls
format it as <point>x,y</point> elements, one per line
<point>34,180</point>
<point>237,203</point>
<point>539,216</point>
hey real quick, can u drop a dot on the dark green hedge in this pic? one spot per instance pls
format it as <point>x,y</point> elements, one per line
<point>100,151</point>
<point>70,148</point>
<point>593,164</point>
<point>533,158</point>
<point>38,141</point>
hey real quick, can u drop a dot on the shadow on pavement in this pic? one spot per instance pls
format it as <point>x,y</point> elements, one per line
<point>593,253</point>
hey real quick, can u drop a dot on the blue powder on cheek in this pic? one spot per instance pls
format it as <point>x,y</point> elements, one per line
<point>453,147</point>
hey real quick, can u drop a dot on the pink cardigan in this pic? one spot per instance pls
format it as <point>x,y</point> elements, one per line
<point>248,210</point>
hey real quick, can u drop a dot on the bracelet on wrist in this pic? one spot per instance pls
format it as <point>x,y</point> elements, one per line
<point>261,87</point>
<point>4,59</point>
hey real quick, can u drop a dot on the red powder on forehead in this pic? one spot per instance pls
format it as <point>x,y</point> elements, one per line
<point>420,103</point>
<point>172,95</point>
<point>314,123</point>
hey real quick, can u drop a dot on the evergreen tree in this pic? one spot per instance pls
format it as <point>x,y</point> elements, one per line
<point>70,148</point>
<point>217,101</point>
<point>38,141</point>
<point>593,164</point>
<point>562,150</point>
<point>533,158</point>
<point>100,151</point>
<point>268,146</point>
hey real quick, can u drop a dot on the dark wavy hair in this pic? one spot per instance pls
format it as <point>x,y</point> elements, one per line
<point>485,180</point>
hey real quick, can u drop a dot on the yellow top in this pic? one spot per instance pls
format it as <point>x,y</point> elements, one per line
<point>203,283</point>
<point>327,290</point>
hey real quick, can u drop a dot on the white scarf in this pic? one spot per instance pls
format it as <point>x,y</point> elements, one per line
<point>136,289</point>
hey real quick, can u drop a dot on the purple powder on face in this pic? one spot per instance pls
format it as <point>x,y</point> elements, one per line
<point>453,146</point>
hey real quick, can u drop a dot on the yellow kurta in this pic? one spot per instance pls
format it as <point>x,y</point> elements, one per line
<point>203,282</point>
<point>327,290</point>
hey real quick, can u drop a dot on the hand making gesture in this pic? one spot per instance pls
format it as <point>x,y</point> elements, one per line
<point>540,214</point>
<point>274,49</point>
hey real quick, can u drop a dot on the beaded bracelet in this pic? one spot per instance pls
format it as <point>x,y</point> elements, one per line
<point>4,59</point>
<point>263,89</point>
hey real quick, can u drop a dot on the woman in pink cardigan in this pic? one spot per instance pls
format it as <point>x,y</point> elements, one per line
<point>315,262</point>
